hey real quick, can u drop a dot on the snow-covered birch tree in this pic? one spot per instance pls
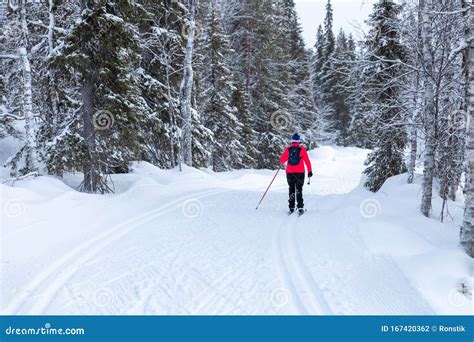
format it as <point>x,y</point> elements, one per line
<point>467,230</point>
<point>186,154</point>
<point>429,110</point>
<point>17,52</point>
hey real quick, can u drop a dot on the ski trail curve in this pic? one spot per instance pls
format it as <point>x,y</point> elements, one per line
<point>68,265</point>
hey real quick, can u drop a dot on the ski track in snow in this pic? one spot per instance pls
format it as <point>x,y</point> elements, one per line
<point>227,259</point>
<point>51,280</point>
<point>317,299</point>
<point>306,297</point>
<point>350,274</point>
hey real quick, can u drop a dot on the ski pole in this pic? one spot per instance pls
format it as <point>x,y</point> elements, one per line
<point>267,189</point>
<point>309,180</point>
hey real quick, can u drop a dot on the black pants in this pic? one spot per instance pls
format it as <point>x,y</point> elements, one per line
<point>295,183</point>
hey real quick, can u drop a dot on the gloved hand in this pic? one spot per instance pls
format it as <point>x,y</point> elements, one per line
<point>310,174</point>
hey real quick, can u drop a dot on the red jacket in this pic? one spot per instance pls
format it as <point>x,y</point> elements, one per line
<point>304,160</point>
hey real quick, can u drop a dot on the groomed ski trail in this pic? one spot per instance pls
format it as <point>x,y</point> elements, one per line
<point>51,280</point>
<point>304,295</point>
<point>192,243</point>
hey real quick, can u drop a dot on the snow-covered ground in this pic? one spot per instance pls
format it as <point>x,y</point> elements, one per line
<point>193,243</point>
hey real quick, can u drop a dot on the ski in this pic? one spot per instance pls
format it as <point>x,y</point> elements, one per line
<point>301,212</point>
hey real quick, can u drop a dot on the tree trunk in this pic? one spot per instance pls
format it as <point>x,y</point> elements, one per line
<point>91,173</point>
<point>413,153</point>
<point>467,231</point>
<point>91,178</point>
<point>30,125</point>
<point>416,112</point>
<point>429,113</point>
<point>51,25</point>
<point>52,97</point>
<point>3,11</point>
<point>172,111</point>
<point>186,154</point>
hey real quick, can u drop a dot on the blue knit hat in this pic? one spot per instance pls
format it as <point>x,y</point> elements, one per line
<point>295,138</point>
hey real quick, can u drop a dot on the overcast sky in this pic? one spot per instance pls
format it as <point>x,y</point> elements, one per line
<point>347,14</point>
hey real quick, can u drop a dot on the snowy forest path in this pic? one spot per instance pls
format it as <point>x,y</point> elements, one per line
<point>51,280</point>
<point>193,243</point>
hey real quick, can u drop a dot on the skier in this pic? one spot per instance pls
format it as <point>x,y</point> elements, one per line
<point>297,157</point>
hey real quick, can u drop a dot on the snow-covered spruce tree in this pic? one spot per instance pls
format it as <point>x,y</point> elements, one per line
<point>161,26</point>
<point>317,62</point>
<point>467,230</point>
<point>100,57</point>
<point>240,23</point>
<point>327,78</point>
<point>56,93</point>
<point>384,78</point>
<point>305,114</point>
<point>240,102</point>
<point>215,98</point>
<point>241,28</point>
<point>201,139</point>
<point>6,118</point>
<point>298,67</point>
<point>270,86</point>
<point>362,119</point>
<point>342,62</point>
<point>257,40</point>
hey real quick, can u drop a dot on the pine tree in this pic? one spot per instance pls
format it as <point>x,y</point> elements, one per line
<point>56,92</point>
<point>240,16</point>
<point>329,39</point>
<point>102,50</point>
<point>344,56</point>
<point>161,25</point>
<point>362,122</point>
<point>273,121</point>
<point>247,134</point>
<point>258,42</point>
<point>6,120</point>
<point>384,79</point>
<point>317,65</point>
<point>362,118</point>
<point>299,82</point>
<point>327,77</point>
<point>217,86</point>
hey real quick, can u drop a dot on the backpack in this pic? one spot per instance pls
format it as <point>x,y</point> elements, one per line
<point>294,155</point>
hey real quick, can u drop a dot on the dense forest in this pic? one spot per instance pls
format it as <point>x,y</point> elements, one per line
<point>90,86</point>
